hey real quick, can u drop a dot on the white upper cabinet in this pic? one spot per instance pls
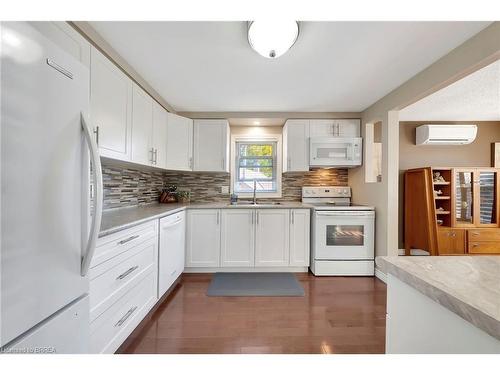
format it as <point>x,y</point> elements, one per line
<point>179,143</point>
<point>67,38</point>
<point>296,146</point>
<point>142,127</point>
<point>272,237</point>
<point>203,238</point>
<point>211,146</point>
<point>299,237</point>
<point>159,138</point>
<point>110,107</point>
<point>237,244</point>
<point>335,128</point>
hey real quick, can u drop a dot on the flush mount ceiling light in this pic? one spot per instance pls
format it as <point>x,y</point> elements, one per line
<point>272,39</point>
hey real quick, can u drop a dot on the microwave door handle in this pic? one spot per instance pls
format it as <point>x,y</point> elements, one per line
<point>349,151</point>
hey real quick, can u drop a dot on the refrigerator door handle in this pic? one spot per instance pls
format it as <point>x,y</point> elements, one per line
<point>97,216</point>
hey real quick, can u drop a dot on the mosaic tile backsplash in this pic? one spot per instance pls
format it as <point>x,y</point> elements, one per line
<point>131,187</point>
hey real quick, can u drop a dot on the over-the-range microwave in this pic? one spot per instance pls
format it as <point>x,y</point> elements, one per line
<point>335,152</point>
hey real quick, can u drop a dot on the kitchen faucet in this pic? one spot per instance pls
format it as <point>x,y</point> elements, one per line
<point>254,192</point>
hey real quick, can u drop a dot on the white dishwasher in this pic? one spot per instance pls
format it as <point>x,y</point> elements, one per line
<point>171,251</point>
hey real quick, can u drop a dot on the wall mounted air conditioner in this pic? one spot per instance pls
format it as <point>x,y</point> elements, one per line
<point>445,134</point>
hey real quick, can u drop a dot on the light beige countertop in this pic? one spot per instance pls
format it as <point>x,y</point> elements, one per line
<point>117,219</point>
<point>469,286</point>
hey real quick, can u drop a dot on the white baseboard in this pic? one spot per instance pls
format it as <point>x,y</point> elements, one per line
<point>245,269</point>
<point>381,276</point>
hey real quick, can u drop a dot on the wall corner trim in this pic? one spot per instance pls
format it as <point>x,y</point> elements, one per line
<point>380,275</point>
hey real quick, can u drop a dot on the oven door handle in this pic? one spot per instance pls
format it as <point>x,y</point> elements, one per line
<point>345,213</point>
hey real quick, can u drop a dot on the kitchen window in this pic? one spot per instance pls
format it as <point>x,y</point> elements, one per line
<point>256,160</point>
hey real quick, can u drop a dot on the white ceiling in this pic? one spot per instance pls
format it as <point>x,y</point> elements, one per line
<point>333,66</point>
<point>475,97</point>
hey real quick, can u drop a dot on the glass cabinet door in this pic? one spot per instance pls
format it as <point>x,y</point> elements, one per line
<point>487,197</point>
<point>464,197</point>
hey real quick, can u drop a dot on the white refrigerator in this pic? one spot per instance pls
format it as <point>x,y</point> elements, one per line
<point>48,226</point>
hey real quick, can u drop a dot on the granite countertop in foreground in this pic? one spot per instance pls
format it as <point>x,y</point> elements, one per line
<point>117,219</point>
<point>469,286</point>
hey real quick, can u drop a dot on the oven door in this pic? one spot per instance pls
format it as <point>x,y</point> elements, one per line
<point>344,235</point>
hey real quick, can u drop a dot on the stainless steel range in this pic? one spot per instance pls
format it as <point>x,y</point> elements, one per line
<point>342,233</point>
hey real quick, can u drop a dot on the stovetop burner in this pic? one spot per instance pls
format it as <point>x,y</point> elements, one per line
<point>331,198</point>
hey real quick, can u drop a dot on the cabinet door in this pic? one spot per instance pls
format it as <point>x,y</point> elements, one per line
<point>451,241</point>
<point>349,128</point>
<point>179,143</point>
<point>486,183</point>
<point>142,126</point>
<point>296,146</point>
<point>203,238</point>
<point>321,128</point>
<point>67,38</point>
<point>464,197</point>
<point>299,237</point>
<point>272,238</point>
<point>237,246</point>
<point>211,145</point>
<point>110,107</point>
<point>159,137</point>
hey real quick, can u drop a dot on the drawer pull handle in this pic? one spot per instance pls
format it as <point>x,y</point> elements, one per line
<point>475,245</point>
<point>127,272</point>
<point>125,317</point>
<point>475,233</point>
<point>128,239</point>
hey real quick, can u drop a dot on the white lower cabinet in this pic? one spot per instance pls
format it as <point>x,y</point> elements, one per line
<point>110,329</point>
<point>245,238</point>
<point>271,237</point>
<point>237,244</point>
<point>300,229</point>
<point>123,284</point>
<point>203,238</point>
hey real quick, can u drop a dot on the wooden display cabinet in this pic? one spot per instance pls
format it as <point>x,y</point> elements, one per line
<point>452,211</point>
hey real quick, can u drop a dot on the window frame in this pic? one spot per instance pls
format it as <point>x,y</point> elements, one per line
<point>276,166</point>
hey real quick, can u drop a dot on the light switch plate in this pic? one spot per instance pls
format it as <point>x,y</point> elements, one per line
<point>224,189</point>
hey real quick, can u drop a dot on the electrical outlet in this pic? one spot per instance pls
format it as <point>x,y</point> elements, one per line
<point>224,189</point>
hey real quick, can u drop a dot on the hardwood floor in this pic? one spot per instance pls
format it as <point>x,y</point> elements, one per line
<point>337,315</point>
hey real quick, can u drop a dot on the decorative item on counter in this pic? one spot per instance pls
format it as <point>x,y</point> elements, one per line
<point>234,198</point>
<point>437,177</point>
<point>183,196</point>
<point>168,195</point>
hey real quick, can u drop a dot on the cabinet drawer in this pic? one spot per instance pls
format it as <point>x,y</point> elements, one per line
<point>108,286</point>
<point>451,241</point>
<point>117,243</point>
<point>483,235</point>
<point>110,329</point>
<point>484,247</point>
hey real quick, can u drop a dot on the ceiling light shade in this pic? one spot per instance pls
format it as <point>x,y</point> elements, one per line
<point>272,39</point>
